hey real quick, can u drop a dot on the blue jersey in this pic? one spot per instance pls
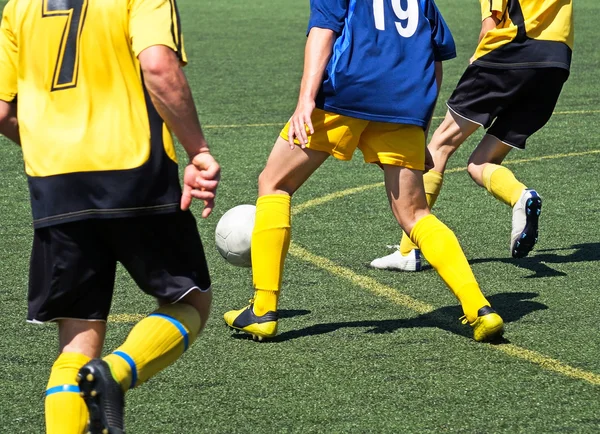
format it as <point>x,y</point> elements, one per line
<point>383,63</point>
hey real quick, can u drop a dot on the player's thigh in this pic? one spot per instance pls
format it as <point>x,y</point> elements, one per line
<point>448,136</point>
<point>532,110</point>
<point>72,273</point>
<point>489,150</point>
<point>163,254</point>
<point>394,144</point>
<point>338,135</point>
<point>287,169</point>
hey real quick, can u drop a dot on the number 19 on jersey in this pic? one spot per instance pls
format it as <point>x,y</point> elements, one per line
<point>408,18</point>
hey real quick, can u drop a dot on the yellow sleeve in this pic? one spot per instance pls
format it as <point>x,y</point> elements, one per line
<point>490,6</point>
<point>155,22</point>
<point>8,56</point>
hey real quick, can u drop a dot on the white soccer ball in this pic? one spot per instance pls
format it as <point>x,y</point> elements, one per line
<point>234,233</point>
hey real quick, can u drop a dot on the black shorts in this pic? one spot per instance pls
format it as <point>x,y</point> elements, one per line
<point>515,102</point>
<point>72,272</point>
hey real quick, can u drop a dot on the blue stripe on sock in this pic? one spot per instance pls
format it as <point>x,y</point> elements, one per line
<point>64,388</point>
<point>131,363</point>
<point>179,326</point>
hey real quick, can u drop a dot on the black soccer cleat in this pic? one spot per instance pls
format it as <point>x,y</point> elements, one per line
<point>104,398</point>
<point>260,327</point>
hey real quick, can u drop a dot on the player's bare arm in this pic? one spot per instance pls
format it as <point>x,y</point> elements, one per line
<point>9,126</point>
<point>171,95</point>
<point>488,24</point>
<point>319,46</point>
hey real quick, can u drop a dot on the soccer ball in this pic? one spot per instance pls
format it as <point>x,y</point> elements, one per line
<point>233,235</point>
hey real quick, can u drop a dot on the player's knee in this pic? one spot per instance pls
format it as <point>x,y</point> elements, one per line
<point>195,310</point>
<point>441,151</point>
<point>270,184</point>
<point>267,184</point>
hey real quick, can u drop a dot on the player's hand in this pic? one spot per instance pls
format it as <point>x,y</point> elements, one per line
<point>299,122</point>
<point>200,181</point>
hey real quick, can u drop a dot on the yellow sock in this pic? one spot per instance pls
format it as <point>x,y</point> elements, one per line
<point>265,300</point>
<point>270,244</point>
<point>503,185</point>
<point>66,412</point>
<point>442,250</point>
<point>433,184</point>
<point>154,343</point>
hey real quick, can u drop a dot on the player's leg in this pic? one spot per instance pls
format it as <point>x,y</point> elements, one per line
<point>486,170</point>
<point>531,110</point>
<point>71,280</point>
<point>286,170</point>
<point>441,249</point>
<point>153,344</point>
<point>65,410</point>
<point>399,149</point>
<point>165,256</point>
<point>158,340</point>
<point>447,138</point>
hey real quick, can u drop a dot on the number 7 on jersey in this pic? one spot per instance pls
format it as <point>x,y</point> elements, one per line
<point>67,61</point>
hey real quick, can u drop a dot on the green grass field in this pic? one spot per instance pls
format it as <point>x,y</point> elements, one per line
<point>359,350</point>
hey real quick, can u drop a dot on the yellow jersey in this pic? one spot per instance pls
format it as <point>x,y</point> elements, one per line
<point>531,34</point>
<point>93,144</point>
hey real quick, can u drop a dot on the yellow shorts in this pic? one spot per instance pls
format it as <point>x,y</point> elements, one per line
<point>380,142</point>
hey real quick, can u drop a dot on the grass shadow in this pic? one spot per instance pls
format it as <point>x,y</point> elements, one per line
<point>512,307</point>
<point>538,262</point>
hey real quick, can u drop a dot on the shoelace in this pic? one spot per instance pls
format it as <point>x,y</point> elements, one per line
<point>463,319</point>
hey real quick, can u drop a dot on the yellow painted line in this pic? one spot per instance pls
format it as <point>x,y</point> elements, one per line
<point>549,364</point>
<point>392,294</point>
<point>281,124</point>
<point>419,307</point>
<point>553,156</point>
<point>576,112</point>
<point>126,317</point>
<point>272,124</point>
<point>360,280</point>
<point>343,193</point>
<point>328,198</point>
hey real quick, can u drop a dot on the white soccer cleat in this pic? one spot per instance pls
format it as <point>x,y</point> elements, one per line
<point>397,262</point>
<point>526,213</point>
